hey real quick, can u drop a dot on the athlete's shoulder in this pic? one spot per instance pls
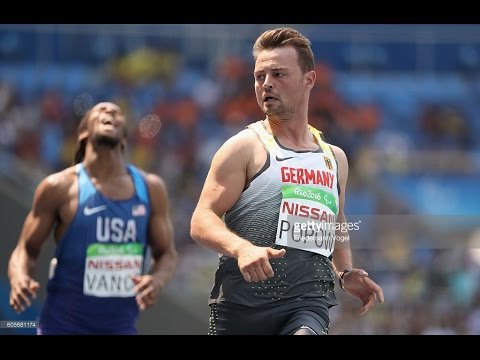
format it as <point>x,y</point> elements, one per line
<point>56,186</point>
<point>153,180</point>
<point>60,179</point>
<point>246,135</point>
<point>339,153</point>
<point>157,189</point>
<point>342,162</point>
<point>239,143</point>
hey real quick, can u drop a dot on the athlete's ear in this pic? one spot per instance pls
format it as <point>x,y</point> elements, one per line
<point>83,134</point>
<point>310,77</point>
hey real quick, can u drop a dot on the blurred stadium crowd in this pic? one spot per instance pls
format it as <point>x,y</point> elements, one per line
<point>408,120</point>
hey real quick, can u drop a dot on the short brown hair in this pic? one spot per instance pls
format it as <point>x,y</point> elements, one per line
<point>284,36</point>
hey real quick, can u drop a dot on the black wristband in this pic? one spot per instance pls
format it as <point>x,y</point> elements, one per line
<point>341,281</point>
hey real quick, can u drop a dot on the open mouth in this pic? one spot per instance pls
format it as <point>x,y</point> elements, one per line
<point>108,122</point>
<point>268,99</point>
<point>108,126</point>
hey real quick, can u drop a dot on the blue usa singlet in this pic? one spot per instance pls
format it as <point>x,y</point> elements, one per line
<point>91,291</point>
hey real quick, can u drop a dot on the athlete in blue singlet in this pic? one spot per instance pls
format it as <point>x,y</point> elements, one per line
<point>104,213</point>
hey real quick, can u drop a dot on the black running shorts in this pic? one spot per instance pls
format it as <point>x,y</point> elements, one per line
<point>284,319</point>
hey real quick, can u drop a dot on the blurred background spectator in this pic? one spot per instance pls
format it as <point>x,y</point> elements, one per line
<point>401,100</point>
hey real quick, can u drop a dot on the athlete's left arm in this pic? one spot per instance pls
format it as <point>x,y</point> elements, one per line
<point>342,255</point>
<point>162,245</point>
<point>355,281</point>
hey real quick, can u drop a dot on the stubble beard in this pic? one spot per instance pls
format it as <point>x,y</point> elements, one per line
<point>274,111</point>
<point>280,111</point>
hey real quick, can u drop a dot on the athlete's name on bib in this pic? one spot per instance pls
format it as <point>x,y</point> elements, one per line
<point>109,269</point>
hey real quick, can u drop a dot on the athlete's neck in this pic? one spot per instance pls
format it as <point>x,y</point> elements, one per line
<point>103,162</point>
<point>292,133</point>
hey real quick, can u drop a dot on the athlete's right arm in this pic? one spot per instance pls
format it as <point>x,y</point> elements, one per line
<point>36,228</point>
<point>224,185</point>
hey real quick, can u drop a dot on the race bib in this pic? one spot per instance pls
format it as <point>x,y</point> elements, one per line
<point>108,268</point>
<point>307,219</point>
